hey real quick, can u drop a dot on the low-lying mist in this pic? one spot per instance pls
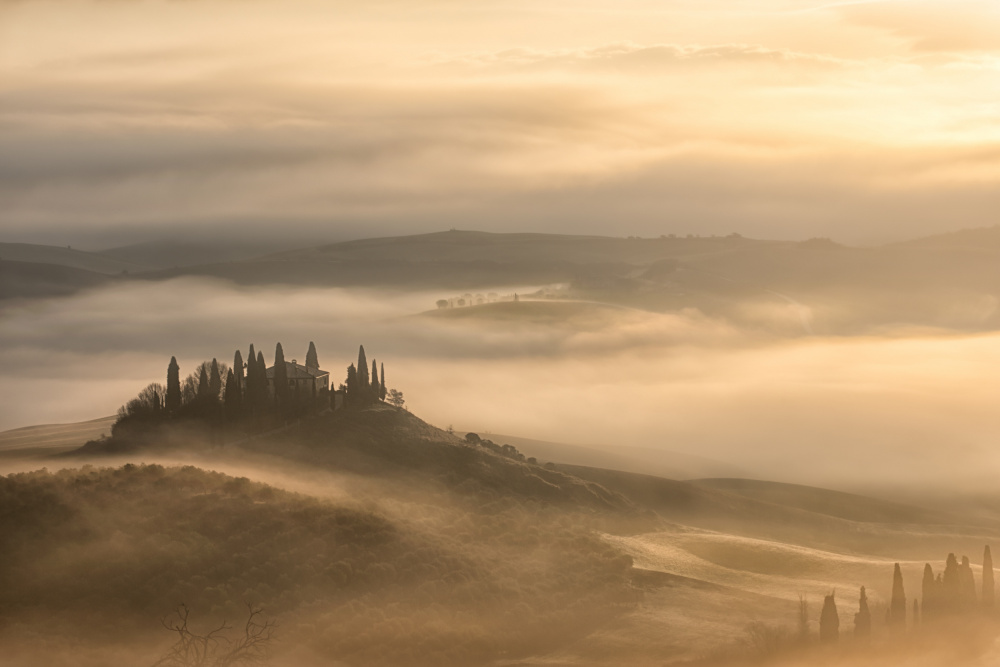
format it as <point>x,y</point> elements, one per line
<point>903,408</point>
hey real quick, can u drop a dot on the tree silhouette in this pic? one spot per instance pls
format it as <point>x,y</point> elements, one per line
<point>382,392</point>
<point>396,398</point>
<point>312,361</point>
<point>215,381</point>
<point>989,592</point>
<point>173,398</point>
<point>803,617</point>
<point>250,393</point>
<point>376,389</point>
<point>218,647</point>
<point>237,381</point>
<point>353,389</point>
<point>930,592</point>
<point>231,399</point>
<point>951,584</point>
<point>280,377</point>
<point>863,619</point>
<point>363,380</point>
<point>203,392</point>
<point>829,621</point>
<point>967,585</point>
<point>261,371</point>
<point>897,606</point>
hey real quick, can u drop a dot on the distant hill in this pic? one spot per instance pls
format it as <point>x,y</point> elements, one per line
<point>166,254</point>
<point>471,246</point>
<point>33,280</point>
<point>76,259</point>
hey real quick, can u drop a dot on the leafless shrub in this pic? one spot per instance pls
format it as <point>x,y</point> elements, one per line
<point>218,647</point>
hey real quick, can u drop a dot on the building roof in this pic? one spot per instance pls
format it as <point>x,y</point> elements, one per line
<point>298,372</point>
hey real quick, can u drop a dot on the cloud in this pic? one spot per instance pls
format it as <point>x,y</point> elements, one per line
<point>648,58</point>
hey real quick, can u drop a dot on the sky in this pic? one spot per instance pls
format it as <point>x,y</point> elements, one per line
<point>127,120</point>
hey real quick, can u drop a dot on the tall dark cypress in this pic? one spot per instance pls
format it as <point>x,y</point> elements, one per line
<point>863,619</point>
<point>250,388</point>
<point>262,398</point>
<point>363,381</point>
<point>172,401</point>
<point>312,361</point>
<point>238,379</point>
<point>215,381</point>
<point>897,606</point>
<point>376,390</point>
<point>951,585</point>
<point>989,592</point>
<point>382,392</point>
<point>967,585</point>
<point>829,621</point>
<point>202,382</point>
<point>353,389</point>
<point>281,393</point>
<point>929,592</point>
<point>231,399</point>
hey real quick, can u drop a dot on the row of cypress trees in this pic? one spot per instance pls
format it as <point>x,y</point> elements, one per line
<point>951,593</point>
<point>244,397</point>
<point>364,388</point>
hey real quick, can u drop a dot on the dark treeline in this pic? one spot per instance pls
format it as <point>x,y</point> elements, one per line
<point>950,595</point>
<point>250,397</point>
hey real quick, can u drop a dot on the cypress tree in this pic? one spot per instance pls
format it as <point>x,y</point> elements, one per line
<point>173,398</point>
<point>281,392</point>
<point>376,389</point>
<point>967,585</point>
<point>230,399</point>
<point>929,591</point>
<point>897,607</point>
<point>238,374</point>
<point>215,381</point>
<point>312,361</point>
<point>202,382</point>
<point>352,385</point>
<point>382,392</point>
<point>951,584</point>
<point>262,398</point>
<point>829,621</point>
<point>250,386</point>
<point>989,592</point>
<point>863,619</point>
<point>363,381</point>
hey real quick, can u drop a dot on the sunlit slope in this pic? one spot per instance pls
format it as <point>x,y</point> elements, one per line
<point>800,515</point>
<point>54,437</point>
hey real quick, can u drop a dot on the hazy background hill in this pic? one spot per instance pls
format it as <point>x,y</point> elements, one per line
<point>950,281</point>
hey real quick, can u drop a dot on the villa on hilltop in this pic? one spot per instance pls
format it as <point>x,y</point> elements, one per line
<point>301,378</point>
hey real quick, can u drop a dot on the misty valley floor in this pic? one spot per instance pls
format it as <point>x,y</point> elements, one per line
<point>373,538</point>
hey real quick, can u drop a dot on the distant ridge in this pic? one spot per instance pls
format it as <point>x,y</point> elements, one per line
<point>68,257</point>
